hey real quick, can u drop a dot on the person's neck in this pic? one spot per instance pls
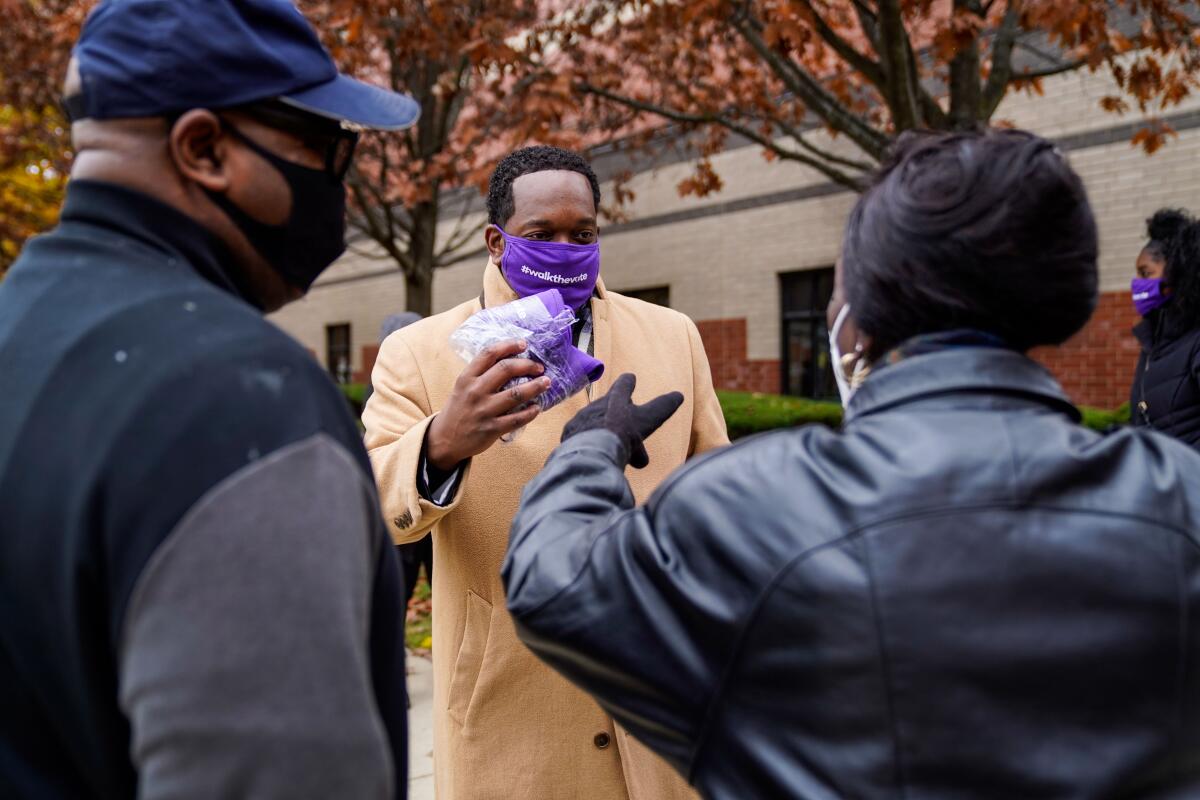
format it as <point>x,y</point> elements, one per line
<point>131,213</point>
<point>133,174</point>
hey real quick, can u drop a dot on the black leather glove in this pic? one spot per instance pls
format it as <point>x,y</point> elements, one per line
<point>632,424</point>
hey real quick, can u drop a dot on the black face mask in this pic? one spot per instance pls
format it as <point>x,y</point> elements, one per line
<point>314,235</point>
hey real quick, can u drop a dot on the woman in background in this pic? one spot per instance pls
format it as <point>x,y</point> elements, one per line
<point>1166,292</point>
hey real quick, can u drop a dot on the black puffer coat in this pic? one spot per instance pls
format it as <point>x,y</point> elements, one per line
<point>963,594</point>
<point>1166,387</point>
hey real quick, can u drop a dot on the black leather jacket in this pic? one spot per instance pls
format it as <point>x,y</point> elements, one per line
<point>1166,387</point>
<point>962,594</point>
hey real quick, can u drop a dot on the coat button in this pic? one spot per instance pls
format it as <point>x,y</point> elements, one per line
<point>602,740</point>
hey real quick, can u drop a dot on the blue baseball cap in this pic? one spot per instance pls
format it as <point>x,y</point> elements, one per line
<point>150,58</point>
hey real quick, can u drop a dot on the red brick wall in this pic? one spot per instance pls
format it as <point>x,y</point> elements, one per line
<point>370,352</point>
<point>725,344</point>
<point>1096,366</point>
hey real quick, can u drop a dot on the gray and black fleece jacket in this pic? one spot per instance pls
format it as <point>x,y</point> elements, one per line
<point>197,595</point>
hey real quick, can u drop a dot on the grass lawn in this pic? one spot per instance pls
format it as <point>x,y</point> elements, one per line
<point>418,628</point>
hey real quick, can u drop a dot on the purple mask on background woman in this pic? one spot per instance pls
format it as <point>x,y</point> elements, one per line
<point>531,267</point>
<point>1148,295</point>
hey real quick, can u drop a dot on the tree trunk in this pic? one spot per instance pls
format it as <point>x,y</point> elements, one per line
<point>418,281</point>
<point>418,295</point>
<point>965,89</point>
<point>901,86</point>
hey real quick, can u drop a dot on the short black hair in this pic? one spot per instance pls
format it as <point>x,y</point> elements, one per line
<point>989,230</point>
<point>539,158</point>
<point>1176,235</point>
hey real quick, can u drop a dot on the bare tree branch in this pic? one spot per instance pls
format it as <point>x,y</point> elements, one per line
<point>1049,58</point>
<point>458,99</point>
<point>378,220</point>
<point>932,114</point>
<point>824,168</point>
<point>461,235</point>
<point>456,243</point>
<point>931,111</point>
<point>866,66</point>
<point>1002,66</point>
<point>818,99</point>
<point>1030,75</point>
<point>373,254</point>
<point>798,136</point>
<point>865,7</point>
<point>372,195</point>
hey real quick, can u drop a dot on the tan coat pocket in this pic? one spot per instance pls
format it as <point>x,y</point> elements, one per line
<point>470,657</point>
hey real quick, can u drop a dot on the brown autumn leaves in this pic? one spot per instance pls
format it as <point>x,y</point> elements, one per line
<point>783,74</point>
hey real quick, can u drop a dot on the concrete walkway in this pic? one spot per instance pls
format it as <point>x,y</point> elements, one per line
<point>420,728</point>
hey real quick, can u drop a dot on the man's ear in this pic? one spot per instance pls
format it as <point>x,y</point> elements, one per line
<point>73,84</point>
<point>200,149</point>
<point>495,242</point>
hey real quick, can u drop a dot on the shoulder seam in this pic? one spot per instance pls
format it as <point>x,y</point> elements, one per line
<point>743,631</point>
<point>846,536</point>
<point>208,497</point>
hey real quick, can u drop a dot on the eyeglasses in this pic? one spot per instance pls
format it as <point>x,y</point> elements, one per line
<point>317,133</point>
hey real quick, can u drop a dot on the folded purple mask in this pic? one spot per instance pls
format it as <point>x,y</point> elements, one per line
<point>569,368</point>
<point>544,321</point>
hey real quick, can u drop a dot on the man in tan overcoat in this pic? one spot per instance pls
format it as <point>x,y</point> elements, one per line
<point>505,725</point>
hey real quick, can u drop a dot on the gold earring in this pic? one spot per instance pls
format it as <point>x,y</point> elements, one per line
<point>850,359</point>
<point>861,368</point>
<point>860,375</point>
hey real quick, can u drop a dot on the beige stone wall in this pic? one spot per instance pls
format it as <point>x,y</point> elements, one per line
<point>726,266</point>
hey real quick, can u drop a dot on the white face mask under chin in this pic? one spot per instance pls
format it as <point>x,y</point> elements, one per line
<point>846,385</point>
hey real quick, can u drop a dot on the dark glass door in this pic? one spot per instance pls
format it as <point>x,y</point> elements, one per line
<point>807,370</point>
<point>337,352</point>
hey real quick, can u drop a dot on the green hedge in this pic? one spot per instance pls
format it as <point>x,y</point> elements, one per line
<point>747,413</point>
<point>1101,420</point>
<point>356,396</point>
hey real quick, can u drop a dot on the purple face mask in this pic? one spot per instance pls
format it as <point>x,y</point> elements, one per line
<point>1148,295</point>
<point>531,267</point>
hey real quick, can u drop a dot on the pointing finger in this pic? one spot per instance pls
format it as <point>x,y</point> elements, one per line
<point>623,386</point>
<point>652,415</point>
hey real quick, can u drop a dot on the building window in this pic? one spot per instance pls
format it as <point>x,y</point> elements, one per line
<point>337,352</point>
<point>804,296</point>
<point>658,295</point>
